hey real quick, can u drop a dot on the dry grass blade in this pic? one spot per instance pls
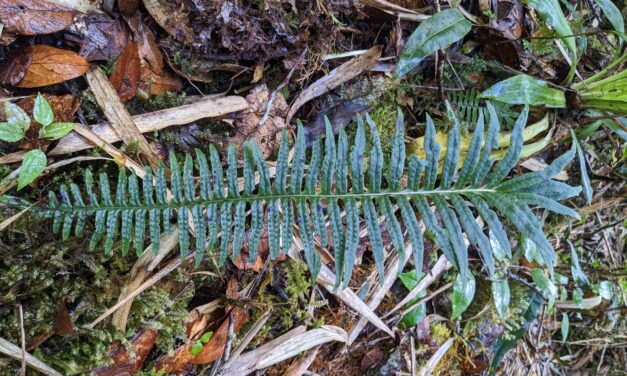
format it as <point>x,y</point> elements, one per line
<point>301,365</point>
<point>391,273</point>
<point>327,279</point>
<point>7,222</point>
<point>153,121</point>
<point>440,267</point>
<point>288,345</point>
<point>145,265</point>
<point>248,338</point>
<point>117,114</point>
<point>15,352</point>
<point>432,363</point>
<point>335,78</point>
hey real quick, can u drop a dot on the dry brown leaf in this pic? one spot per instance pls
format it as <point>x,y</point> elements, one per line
<point>154,83</point>
<point>14,69</point>
<point>172,19</point>
<point>49,65</point>
<point>128,6</point>
<point>62,321</point>
<point>63,106</point>
<point>34,17</point>
<point>247,126</point>
<point>126,73</point>
<point>123,361</point>
<point>211,351</point>
<point>99,36</point>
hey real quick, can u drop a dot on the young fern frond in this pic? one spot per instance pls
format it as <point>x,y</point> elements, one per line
<point>336,195</point>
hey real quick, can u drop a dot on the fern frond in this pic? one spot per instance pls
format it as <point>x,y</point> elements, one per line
<point>337,195</point>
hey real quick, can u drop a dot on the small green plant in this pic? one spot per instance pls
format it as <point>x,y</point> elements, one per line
<point>198,345</point>
<point>337,181</point>
<point>15,129</point>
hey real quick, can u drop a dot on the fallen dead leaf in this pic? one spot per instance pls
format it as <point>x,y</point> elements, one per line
<point>211,351</point>
<point>63,106</point>
<point>128,7</point>
<point>242,262</point>
<point>99,36</point>
<point>371,359</point>
<point>126,73</point>
<point>62,321</point>
<point>48,65</point>
<point>172,19</point>
<point>34,17</point>
<point>14,69</point>
<point>247,126</point>
<point>232,290</point>
<point>125,362</point>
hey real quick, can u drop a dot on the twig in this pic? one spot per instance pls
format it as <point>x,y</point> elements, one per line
<point>229,338</point>
<point>266,114</point>
<point>23,339</point>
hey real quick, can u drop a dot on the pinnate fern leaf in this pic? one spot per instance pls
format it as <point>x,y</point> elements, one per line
<point>330,193</point>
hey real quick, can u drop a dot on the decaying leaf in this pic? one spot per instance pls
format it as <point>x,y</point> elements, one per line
<point>171,18</point>
<point>41,65</point>
<point>14,69</point>
<point>34,17</point>
<point>126,73</point>
<point>99,36</point>
<point>62,321</point>
<point>210,352</point>
<point>247,126</point>
<point>63,106</point>
<point>125,362</point>
<point>128,7</point>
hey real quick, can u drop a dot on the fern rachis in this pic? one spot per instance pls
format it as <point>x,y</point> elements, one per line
<point>336,183</point>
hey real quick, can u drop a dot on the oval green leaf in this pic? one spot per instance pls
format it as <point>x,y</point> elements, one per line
<point>42,112</point>
<point>463,292</point>
<point>523,89</point>
<point>33,165</point>
<point>435,33</point>
<point>10,132</point>
<point>55,131</point>
<point>501,295</point>
<point>15,115</point>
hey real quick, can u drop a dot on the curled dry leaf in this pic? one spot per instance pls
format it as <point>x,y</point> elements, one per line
<point>14,69</point>
<point>34,17</point>
<point>45,66</point>
<point>99,36</point>
<point>126,73</point>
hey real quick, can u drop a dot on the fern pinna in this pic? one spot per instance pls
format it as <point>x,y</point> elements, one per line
<point>335,190</point>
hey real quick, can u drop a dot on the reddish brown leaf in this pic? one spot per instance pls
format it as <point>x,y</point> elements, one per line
<point>128,6</point>
<point>34,17</point>
<point>49,65</point>
<point>123,361</point>
<point>62,321</point>
<point>100,37</point>
<point>371,358</point>
<point>126,73</point>
<point>232,290</point>
<point>211,351</point>
<point>242,262</point>
<point>154,83</point>
<point>15,68</point>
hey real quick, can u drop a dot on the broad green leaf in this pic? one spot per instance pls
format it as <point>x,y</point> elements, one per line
<point>463,292</point>
<point>42,112</point>
<point>545,285</point>
<point>551,12</point>
<point>523,89</point>
<point>15,115</point>
<point>10,132</point>
<point>501,296</point>
<point>565,326</point>
<point>33,165</point>
<point>613,14</point>
<point>416,315</point>
<point>531,251</point>
<point>578,296</point>
<point>55,131</point>
<point>435,33</point>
